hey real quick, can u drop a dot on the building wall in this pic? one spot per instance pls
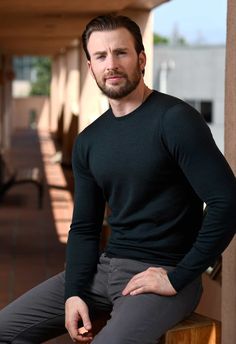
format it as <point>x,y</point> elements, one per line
<point>21,88</point>
<point>193,73</point>
<point>30,112</point>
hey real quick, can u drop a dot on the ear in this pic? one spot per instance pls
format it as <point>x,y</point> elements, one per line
<point>142,60</point>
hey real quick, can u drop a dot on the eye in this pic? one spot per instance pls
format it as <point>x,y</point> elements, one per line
<point>121,53</point>
<point>100,57</point>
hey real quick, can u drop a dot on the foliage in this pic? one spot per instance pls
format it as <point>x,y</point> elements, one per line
<point>176,39</point>
<point>158,39</point>
<point>181,41</point>
<point>41,85</point>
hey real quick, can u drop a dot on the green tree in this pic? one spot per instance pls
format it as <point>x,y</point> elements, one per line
<point>181,41</point>
<point>176,39</point>
<point>41,85</point>
<point>158,39</point>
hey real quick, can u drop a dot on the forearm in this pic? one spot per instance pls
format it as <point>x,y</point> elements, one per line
<point>84,235</point>
<point>83,245</point>
<point>218,227</point>
<point>191,144</point>
<point>215,235</point>
<point>81,260</point>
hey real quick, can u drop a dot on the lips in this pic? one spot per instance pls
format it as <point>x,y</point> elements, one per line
<point>114,76</point>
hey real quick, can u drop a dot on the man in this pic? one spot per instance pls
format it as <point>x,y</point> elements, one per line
<point>152,158</point>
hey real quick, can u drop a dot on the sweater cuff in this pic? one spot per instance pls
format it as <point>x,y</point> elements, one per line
<point>179,278</point>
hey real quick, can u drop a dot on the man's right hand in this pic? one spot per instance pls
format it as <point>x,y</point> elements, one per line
<point>75,311</point>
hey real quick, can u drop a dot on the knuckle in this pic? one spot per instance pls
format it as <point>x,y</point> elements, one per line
<point>67,325</point>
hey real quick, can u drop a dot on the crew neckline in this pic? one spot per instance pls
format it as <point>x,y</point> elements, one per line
<point>132,113</point>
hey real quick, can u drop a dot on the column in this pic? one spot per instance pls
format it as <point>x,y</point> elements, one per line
<point>6,101</point>
<point>92,102</point>
<point>71,105</point>
<point>54,104</point>
<point>229,257</point>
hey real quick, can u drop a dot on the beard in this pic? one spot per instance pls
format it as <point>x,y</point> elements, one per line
<point>120,91</point>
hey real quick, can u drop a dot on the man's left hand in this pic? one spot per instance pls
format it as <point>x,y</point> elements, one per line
<point>152,280</point>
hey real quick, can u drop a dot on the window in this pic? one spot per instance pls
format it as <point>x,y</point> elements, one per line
<point>23,67</point>
<point>206,111</point>
<point>205,107</point>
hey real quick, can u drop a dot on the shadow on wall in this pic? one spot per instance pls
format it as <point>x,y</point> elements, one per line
<point>65,137</point>
<point>30,112</point>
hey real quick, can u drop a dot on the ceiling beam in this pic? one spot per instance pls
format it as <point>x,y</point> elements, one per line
<point>46,27</point>
<point>61,6</point>
<point>35,46</point>
<point>43,26</point>
<point>148,4</point>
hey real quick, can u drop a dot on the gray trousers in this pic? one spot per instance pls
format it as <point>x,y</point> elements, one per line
<point>38,315</point>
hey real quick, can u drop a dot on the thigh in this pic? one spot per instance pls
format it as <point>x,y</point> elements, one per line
<point>143,319</point>
<point>39,314</point>
<point>36,316</point>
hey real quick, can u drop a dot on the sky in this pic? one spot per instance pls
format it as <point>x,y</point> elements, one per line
<point>198,21</point>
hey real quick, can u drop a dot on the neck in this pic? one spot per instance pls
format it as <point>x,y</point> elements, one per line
<point>132,101</point>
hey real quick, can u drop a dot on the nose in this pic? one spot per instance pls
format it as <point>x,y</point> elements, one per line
<point>111,62</point>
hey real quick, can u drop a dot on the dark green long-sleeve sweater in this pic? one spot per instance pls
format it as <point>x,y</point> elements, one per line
<point>155,167</point>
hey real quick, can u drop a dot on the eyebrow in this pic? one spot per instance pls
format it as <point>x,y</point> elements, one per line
<point>99,53</point>
<point>104,52</point>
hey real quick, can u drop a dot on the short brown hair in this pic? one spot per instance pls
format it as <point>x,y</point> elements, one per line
<point>112,22</point>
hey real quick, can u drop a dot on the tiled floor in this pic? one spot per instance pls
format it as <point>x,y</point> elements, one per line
<point>32,240</point>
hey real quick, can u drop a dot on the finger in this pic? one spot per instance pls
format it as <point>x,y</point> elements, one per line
<point>86,320</point>
<point>131,286</point>
<point>138,291</point>
<point>128,289</point>
<point>85,333</point>
<point>139,275</point>
<point>72,328</point>
<point>84,339</point>
<point>82,331</point>
<point>136,281</point>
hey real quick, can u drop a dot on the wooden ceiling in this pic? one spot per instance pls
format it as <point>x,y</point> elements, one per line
<point>46,27</point>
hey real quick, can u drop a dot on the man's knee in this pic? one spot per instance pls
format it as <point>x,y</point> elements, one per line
<point>6,330</point>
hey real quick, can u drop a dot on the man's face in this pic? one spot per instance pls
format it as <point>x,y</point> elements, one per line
<point>114,63</point>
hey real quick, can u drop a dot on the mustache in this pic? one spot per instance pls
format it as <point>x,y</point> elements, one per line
<point>114,73</point>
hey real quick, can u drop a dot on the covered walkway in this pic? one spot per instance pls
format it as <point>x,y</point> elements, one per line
<point>33,240</point>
